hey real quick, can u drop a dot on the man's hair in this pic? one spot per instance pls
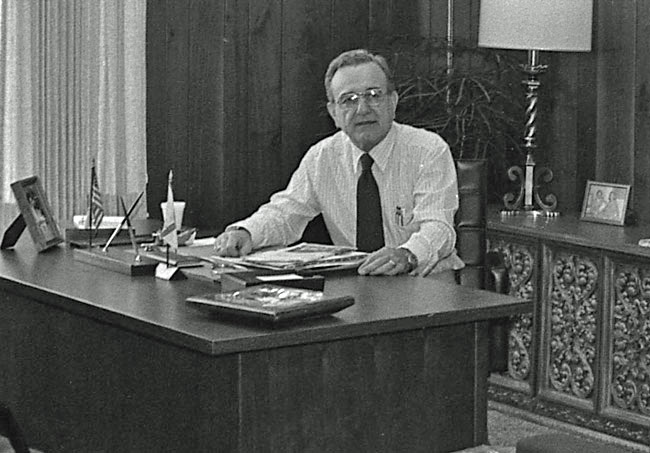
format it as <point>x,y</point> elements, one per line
<point>354,58</point>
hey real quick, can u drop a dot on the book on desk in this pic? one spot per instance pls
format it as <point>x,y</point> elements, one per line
<point>270,303</point>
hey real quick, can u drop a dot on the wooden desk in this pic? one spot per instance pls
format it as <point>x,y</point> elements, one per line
<point>95,361</point>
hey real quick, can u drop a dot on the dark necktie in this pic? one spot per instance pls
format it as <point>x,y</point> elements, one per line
<point>370,231</point>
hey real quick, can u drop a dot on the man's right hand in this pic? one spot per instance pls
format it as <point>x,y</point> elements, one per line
<point>235,242</point>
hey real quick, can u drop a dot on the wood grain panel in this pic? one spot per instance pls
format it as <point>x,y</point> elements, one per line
<point>177,87</point>
<point>436,13</point>
<point>349,27</point>
<point>373,390</point>
<point>305,27</point>
<point>265,103</point>
<point>157,66</point>
<point>212,66</point>
<point>204,170</point>
<point>615,47</point>
<point>586,131</point>
<point>92,364</point>
<point>641,183</point>
<point>407,18</point>
<point>235,115</point>
<point>559,105</point>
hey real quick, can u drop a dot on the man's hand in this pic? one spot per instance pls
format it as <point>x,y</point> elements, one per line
<point>235,242</point>
<point>386,261</point>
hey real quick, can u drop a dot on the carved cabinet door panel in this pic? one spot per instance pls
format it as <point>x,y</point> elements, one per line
<point>626,341</point>
<point>569,325</point>
<point>519,257</point>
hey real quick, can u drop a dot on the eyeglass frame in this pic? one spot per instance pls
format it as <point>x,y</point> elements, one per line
<point>365,95</point>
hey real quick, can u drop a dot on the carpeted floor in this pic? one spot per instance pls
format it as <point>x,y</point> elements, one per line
<point>506,425</point>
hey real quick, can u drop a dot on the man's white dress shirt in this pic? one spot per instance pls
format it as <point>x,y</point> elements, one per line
<point>416,176</point>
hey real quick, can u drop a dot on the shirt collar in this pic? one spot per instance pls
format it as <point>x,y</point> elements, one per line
<point>381,152</point>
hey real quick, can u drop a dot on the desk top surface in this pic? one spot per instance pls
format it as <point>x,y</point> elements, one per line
<point>156,308</point>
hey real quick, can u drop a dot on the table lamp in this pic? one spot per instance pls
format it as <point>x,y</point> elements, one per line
<point>534,25</point>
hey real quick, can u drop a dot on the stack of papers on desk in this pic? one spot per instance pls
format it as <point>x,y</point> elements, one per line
<point>296,258</point>
<point>303,257</point>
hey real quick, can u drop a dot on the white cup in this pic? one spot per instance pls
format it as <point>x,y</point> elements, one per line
<point>179,209</point>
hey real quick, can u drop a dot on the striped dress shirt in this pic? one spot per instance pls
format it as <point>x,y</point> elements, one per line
<point>416,176</point>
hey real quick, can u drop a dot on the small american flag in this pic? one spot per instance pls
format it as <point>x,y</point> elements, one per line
<point>96,208</point>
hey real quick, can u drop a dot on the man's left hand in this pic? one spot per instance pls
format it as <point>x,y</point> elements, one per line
<point>386,261</point>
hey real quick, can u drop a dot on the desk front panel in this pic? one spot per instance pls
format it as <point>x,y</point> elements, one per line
<point>79,385</point>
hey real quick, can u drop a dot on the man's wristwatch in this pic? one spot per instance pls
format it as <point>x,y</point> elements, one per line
<point>411,259</point>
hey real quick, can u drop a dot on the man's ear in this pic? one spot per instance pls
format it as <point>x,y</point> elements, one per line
<point>394,98</point>
<point>331,108</point>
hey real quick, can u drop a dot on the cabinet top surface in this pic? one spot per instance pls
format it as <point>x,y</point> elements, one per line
<point>569,229</point>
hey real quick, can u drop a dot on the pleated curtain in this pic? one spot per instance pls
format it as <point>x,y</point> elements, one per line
<point>72,90</point>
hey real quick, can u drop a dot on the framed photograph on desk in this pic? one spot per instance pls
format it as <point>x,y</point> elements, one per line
<point>36,212</point>
<point>605,202</point>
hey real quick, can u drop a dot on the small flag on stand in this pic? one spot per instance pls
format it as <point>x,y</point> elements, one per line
<point>95,208</point>
<point>169,233</point>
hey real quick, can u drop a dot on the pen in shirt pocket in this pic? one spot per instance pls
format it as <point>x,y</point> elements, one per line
<point>399,216</point>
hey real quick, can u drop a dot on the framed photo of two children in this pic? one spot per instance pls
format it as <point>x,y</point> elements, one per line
<point>605,202</point>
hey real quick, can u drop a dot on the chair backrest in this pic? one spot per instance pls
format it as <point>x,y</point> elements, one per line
<point>483,270</point>
<point>470,220</point>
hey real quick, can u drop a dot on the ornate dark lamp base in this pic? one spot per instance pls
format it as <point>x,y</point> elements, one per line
<point>529,200</point>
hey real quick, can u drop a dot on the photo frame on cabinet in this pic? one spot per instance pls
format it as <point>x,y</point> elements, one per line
<point>605,202</point>
<point>36,213</point>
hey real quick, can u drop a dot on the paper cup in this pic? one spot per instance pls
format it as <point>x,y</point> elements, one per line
<point>179,209</point>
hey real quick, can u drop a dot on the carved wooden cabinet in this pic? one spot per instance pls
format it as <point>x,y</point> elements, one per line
<point>568,321</point>
<point>626,340</point>
<point>586,346</point>
<point>519,256</point>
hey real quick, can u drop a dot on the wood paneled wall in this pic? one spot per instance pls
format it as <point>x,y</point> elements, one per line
<point>235,94</point>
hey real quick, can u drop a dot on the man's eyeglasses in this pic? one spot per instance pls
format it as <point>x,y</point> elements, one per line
<point>350,101</point>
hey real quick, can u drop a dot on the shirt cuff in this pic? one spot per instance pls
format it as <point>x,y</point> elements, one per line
<point>256,236</point>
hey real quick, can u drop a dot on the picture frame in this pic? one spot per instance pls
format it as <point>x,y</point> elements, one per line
<point>36,212</point>
<point>605,202</point>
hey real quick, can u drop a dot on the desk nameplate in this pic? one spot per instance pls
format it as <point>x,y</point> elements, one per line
<point>116,260</point>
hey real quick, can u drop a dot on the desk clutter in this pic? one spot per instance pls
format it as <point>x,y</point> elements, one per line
<point>270,287</point>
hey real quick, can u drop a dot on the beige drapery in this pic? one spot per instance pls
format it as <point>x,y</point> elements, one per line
<point>72,89</point>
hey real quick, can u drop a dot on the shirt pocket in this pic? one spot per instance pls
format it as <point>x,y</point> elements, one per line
<point>403,215</point>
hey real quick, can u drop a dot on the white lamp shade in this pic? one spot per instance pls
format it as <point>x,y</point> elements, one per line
<point>560,25</point>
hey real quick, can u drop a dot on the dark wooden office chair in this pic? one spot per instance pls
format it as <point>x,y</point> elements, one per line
<point>470,221</point>
<point>482,270</point>
<point>9,429</point>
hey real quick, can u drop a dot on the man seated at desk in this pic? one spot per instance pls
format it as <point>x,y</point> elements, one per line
<point>411,230</point>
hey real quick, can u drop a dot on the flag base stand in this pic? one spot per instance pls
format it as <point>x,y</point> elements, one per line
<point>116,260</point>
<point>165,272</point>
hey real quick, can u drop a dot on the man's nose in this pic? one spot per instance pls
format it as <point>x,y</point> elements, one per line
<point>362,106</point>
